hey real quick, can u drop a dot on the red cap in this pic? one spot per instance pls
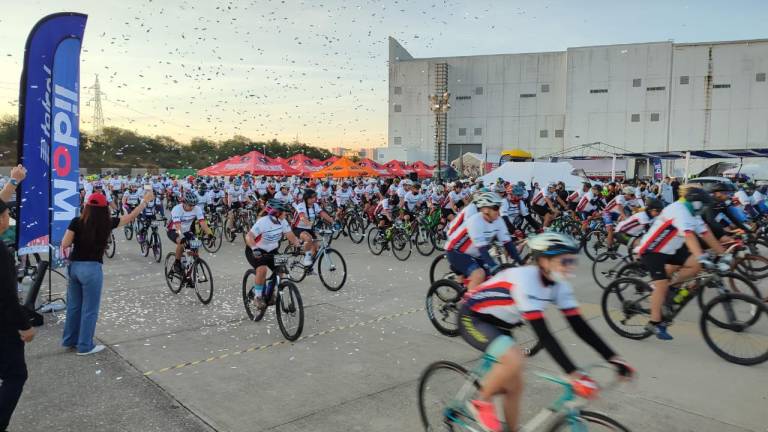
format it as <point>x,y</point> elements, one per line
<point>97,200</point>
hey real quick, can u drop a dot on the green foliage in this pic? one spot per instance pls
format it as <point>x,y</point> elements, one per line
<point>121,148</point>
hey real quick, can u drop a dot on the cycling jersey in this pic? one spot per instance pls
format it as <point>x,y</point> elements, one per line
<point>357,193</point>
<point>667,233</point>
<point>261,187</point>
<point>268,231</point>
<point>635,225</point>
<point>343,196</point>
<point>476,233</point>
<point>616,205</point>
<point>286,198</point>
<point>460,218</point>
<point>540,199</point>
<point>133,198</point>
<point>184,217</point>
<point>453,198</point>
<point>740,199</point>
<point>236,194</point>
<point>514,210</point>
<point>312,214</point>
<point>324,193</point>
<point>517,293</point>
<point>586,203</point>
<point>412,200</point>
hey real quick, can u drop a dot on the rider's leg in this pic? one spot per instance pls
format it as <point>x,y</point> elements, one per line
<point>690,269</point>
<point>476,278</point>
<point>309,248</point>
<point>506,378</point>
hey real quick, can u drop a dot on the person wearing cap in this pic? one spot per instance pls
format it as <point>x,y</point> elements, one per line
<point>15,329</point>
<point>88,235</point>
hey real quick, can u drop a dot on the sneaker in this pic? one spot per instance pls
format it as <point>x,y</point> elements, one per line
<point>177,267</point>
<point>660,330</point>
<point>96,349</point>
<point>307,261</point>
<point>485,415</point>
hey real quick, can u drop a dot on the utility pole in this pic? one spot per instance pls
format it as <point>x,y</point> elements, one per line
<point>439,104</point>
<point>98,115</point>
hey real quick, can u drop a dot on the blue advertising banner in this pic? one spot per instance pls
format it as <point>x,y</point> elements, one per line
<point>657,174</point>
<point>36,121</point>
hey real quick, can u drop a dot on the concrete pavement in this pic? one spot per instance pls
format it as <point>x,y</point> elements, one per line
<point>185,366</point>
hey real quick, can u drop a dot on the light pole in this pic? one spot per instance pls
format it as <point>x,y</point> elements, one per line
<point>440,106</point>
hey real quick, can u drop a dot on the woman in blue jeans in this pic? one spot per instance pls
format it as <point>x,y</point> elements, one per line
<point>88,234</point>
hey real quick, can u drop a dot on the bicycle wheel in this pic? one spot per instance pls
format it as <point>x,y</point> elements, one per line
<point>634,270</point>
<point>111,246</point>
<point>332,270</point>
<point>443,388</point>
<point>626,307</point>
<point>424,244</point>
<point>605,266</point>
<point>594,243</point>
<point>732,282</point>
<point>144,246</point>
<point>157,247</point>
<point>440,269</point>
<point>439,238</point>
<point>442,306</point>
<point>588,420</point>
<point>172,279</point>
<point>249,280</point>
<point>128,231</point>
<point>751,266</point>
<point>290,310</point>
<point>401,245</point>
<point>213,245</point>
<point>738,318</point>
<point>202,278</point>
<point>376,241</point>
<point>229,231</point>
<point>356,229</point>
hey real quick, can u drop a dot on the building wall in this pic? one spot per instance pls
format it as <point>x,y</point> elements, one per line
<point>628,96</point>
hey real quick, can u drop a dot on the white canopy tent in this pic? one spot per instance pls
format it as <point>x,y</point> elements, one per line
<point>536,172</point>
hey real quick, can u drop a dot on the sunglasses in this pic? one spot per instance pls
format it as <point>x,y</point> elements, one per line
<point>569,261</point>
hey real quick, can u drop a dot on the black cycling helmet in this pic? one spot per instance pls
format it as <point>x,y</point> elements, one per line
<point>723,187</point>
<point>653,204</point>
<point>276,204</point>
<point>698,199</point>
<point>309,193</point>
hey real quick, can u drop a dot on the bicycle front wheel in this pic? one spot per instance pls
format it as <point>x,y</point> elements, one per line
<point>604,268</point>
<point>626,306</point>
<point>401,245</point>
<point>440,269</point>
<point>442,306</point>
<point>128,230</point>
<point>735,327</point>
<point>249,281</point>
<point>424,244</point>
<point>356,229</point>
<point>111,246</point>
<point>443,388</point>
<point>290,310</point>
<point>203,280</point>
<point>588,420</point>
<point>157,247</point>
<point>172,278</point>
<point>332,270</point>
<point>376,241</point>
<point>213,245</point>
<point>594,243</point>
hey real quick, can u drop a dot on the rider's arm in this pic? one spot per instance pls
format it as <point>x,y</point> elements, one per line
<point>587,334</point>
<point>548,341</point>
<point>126,219</point>
<point>712,242</point>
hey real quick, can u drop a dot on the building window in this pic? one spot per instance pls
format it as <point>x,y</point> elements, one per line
<point>463,97</point>
<point>635,118</point>
<point>559,133</point>
<point>398,141</point>
<point>720,86</point>
<point>654,117</point>
<point>545,88</point>
<point>595,91</point>
<point>398,90</point>
<point>662,88</point>
<point>478,91</point>
<point>760,77</point>
<point>637,82</point>
<point>398,108</point>
<point>478,131</point>
<point>527,95</point>
<point>462,131</point>
<point>684,79</point>
<point>543,133</point>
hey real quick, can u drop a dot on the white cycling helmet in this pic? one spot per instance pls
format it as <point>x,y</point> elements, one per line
<point>487,199</point>
<point>628,190</point>
<point>552,244</point>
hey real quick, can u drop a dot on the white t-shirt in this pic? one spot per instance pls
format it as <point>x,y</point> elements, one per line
<point>312,214</point>
<point>343,197</point>
<point>184,217</point>
<point>268,231</point>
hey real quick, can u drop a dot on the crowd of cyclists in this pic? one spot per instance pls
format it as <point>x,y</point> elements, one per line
<point>513,246</point>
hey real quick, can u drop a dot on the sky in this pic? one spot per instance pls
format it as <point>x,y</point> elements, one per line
<point>317,70</point>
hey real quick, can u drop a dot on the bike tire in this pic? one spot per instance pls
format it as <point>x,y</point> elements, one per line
<point>424,244</point>
<point>604,268</point>
<point>213,246</point>
<point>401,245</point>
<point>285,310</point>
<point>566,423</point>
<point>593,243</point>
<point>634,269</point>
<point>744,286</point>
<point>339,264</point>
<point>356,230</point>
<point>229,233</point>
<point>442,305</point>
<point>111,246</point>
<point>434,275</point>
<point>254,314</point>
<point>726,300</point>
<point>157,247</point>
<point>144,246</point>
<point>375,244</point>
<point>621,289</point>
<point>173,280</point>
<point>439,238</point>
<point>428,381</point>
<point>128,231</point>
<point>204,295</point>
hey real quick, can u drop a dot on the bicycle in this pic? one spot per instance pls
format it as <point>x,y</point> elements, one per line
<point>628,298</point>
<point>130,228</point>
<point>215,221</point>
<point>380,239</point>
<point>195,272</point>
<point>150,242</point>
<point>109,252</point>
<point>240,225</point>
<point>329,262</point>
<point>449,412</point>
<point>286,299</point>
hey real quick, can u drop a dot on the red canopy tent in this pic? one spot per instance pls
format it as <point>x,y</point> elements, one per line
<point>329,161</point>
<point>421,169</point>
<point>214,169</point>
<point>305,165</point>
<point>397,168</point>
<point>254,163</point>
<point>379,168</point>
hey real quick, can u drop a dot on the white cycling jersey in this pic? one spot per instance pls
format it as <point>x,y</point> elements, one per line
<point>268,231</point>
<point>184,217</point>
<point>343,196</point>
<point>475,233</point>
<point>412,200</point>
<point>667,233</point>
<point>312,214</point>
<point>634,225</point>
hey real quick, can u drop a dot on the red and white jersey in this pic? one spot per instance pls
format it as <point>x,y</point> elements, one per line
<point>517,293</point>
<point>740,199</point>
<point>585,202</point>
<point>616,205</point>
<point>460,218</point>
<point>540,199</point>
<point>667,233</point>
<point>268,231</point>
<point>634,225</point>
<point>575,196</point>
<point>475,233</point>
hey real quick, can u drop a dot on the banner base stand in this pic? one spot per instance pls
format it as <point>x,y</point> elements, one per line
<point>53,306</point>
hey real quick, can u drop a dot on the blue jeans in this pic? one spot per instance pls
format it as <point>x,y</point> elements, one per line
<point>83,299</point>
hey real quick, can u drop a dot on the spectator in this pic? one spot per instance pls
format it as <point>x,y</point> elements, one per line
<point>89,234</point>
<point>15,330</point>
<point>675,189</point>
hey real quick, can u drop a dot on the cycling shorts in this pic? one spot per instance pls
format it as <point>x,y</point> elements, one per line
<point>236,205</point>
<point>655,262</point>
<point>297,232</point>
<point>445,212</point>
<point>173,235</point>
<point>260,257</point>
<point>540,210</point>
<point>462,263</point>
<point>609,218</point>
<point>480,330</point>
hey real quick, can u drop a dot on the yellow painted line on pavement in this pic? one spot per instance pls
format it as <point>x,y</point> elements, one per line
<point>283,342</point>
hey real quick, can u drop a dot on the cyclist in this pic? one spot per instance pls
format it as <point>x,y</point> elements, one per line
<point>671,244</point>
<point>411,201</point>
<point>470,238</point>
<point>637,224</point>
<point>616,210</point>
<point>131,197</point>
<point>307,213</point>
<point>262,242</point>
<point>181,225</point>
<point>544,204</point>
<point>522,293</point>
<point>343,198</point>
<point>283,194</point>
<point>235,201</point>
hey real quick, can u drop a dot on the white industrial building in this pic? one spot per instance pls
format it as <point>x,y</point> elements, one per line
<point>646,97</point>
